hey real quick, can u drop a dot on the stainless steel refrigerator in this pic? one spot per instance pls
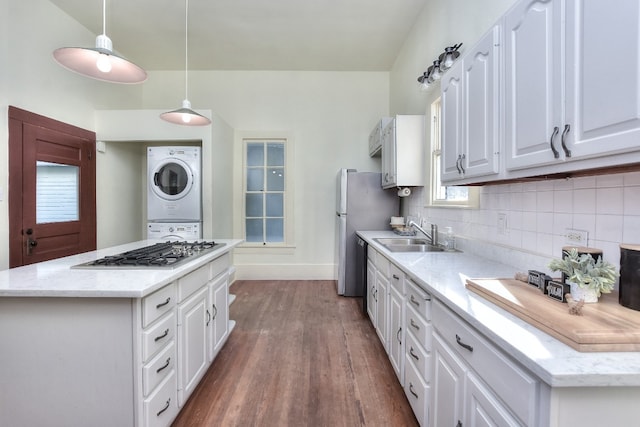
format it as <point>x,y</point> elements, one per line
<point>361,205</point>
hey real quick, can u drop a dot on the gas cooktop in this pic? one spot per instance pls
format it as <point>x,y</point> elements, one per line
<point>159,255</point>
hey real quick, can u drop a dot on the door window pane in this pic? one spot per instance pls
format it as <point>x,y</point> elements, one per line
<point>57,192</point>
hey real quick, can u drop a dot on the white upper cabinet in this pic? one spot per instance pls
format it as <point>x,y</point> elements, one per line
<point>570,77</point>
<point>603,77</point>
<point>470,103</point>
<point>533,83</point>
<point>403,152</point>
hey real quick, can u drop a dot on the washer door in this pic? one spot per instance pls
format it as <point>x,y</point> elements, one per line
<point>172,179</point>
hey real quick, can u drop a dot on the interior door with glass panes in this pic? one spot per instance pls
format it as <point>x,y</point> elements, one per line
<point>52,189</point>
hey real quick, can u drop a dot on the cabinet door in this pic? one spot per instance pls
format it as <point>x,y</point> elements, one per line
<point>389,155</point>
<point>451,124</point>
<point>603,76</point>
<point>448,385</point>
<point>396,332</point>
<point>382,320</point>
<point>192,343</point>
<point>533,83</point>
<point>480,134</point>
<point>372,306</point>
<point>218,315</point>
<point>483,409</point>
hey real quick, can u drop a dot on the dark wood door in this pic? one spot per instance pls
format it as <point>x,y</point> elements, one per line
<point>52,202</point>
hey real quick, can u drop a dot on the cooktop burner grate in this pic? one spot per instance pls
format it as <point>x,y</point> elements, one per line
<point>167,254</point>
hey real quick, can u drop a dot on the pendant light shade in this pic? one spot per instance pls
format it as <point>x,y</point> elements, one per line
<point>100,62</point>
<point>185,115</point>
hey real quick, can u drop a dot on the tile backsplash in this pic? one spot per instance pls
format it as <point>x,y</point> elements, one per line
<point>533,216</point>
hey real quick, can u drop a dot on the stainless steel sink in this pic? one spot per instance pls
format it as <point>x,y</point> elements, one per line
<point>408,245</point>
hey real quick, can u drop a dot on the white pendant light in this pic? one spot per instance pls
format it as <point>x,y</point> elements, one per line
<point>100,62</point>
<point>185,115</point>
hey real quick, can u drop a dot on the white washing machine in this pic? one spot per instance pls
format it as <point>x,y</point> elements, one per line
<point>174,184</point>
<point>188,231</point>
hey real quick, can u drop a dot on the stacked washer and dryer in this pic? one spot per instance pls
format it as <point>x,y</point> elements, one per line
<point>174,196</point>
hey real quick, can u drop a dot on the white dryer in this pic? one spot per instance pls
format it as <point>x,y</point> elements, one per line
<point>174,184</point>
<point>188,231</point>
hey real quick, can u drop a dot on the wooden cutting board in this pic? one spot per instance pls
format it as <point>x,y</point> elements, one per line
<point>603,326</point>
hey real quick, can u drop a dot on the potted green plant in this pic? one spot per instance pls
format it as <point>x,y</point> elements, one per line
<point>588,277</point>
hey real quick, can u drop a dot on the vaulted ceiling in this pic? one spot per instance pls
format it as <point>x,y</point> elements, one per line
<point>322,35</point>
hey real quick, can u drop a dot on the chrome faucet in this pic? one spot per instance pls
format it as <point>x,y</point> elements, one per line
<point>433,236</point>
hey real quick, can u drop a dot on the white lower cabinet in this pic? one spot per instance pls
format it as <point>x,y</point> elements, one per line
<point>397,330</point>
<point>192,343</point>
<point>418,348</point>
<point>475,384</point>
<point>218,316</point>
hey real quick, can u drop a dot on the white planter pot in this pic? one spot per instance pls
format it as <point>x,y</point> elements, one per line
<point>579,293</point>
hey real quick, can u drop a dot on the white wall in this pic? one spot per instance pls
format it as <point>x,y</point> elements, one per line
<point>328,114</point>
<point>30,30</point>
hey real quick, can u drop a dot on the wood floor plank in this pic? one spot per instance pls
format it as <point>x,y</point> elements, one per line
<point>299,356</point>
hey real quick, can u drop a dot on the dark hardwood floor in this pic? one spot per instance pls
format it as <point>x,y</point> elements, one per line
<point>299,356</point>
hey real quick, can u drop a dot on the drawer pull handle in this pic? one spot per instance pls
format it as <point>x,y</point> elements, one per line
<point>411,390</point>
<point>396,277</point>
<point>414,301</point>
<point>166,406</point>
<point>165,366</point>
<point>398,335</point>
<point>414,325</point>
<point>215,311</point>
<point>415,356</point>
<point>159,337</point>
<point>463,345</point>
<point>162,304</point>
<point>208,317</point>
<point>459,424</point>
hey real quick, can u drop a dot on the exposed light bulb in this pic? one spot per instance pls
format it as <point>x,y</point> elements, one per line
<point>186,118</point>
<point>448,62</point>
<point>103,63</point>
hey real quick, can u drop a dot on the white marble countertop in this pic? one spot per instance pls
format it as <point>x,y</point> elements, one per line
<point>444,275</point>
<point>56,278</point>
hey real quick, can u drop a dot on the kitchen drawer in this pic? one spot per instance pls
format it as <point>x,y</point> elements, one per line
<point>161,407</point>
<point>158,303</point>
<point>417,392</point>
<point>219,265</point>
<point>158,335</point>
<point>396,278</point>
<point>193,281</point>
<point>382,264</point>
<point>418,356</point>
<point>418,299</point>
<point>419,327</point>
<point>498,371</point>
<point>158,368</point>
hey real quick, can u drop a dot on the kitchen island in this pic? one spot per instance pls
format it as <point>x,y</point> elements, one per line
<point>109,346</point>
<point>568,387</point>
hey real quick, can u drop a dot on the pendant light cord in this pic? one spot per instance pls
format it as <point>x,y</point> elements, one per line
<point>104,17</point>
<point>186,47</point>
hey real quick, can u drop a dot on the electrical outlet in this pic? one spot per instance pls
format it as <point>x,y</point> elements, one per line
<point>576,237</point>
<point>502,223</point>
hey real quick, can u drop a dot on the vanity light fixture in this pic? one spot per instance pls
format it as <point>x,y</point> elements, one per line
<point>443,63</point>
<point>185,115</point>
<point>100,63</point>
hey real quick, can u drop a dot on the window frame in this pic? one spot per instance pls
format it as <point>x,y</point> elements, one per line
<point>242,138</point>
<point>435,162</point>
